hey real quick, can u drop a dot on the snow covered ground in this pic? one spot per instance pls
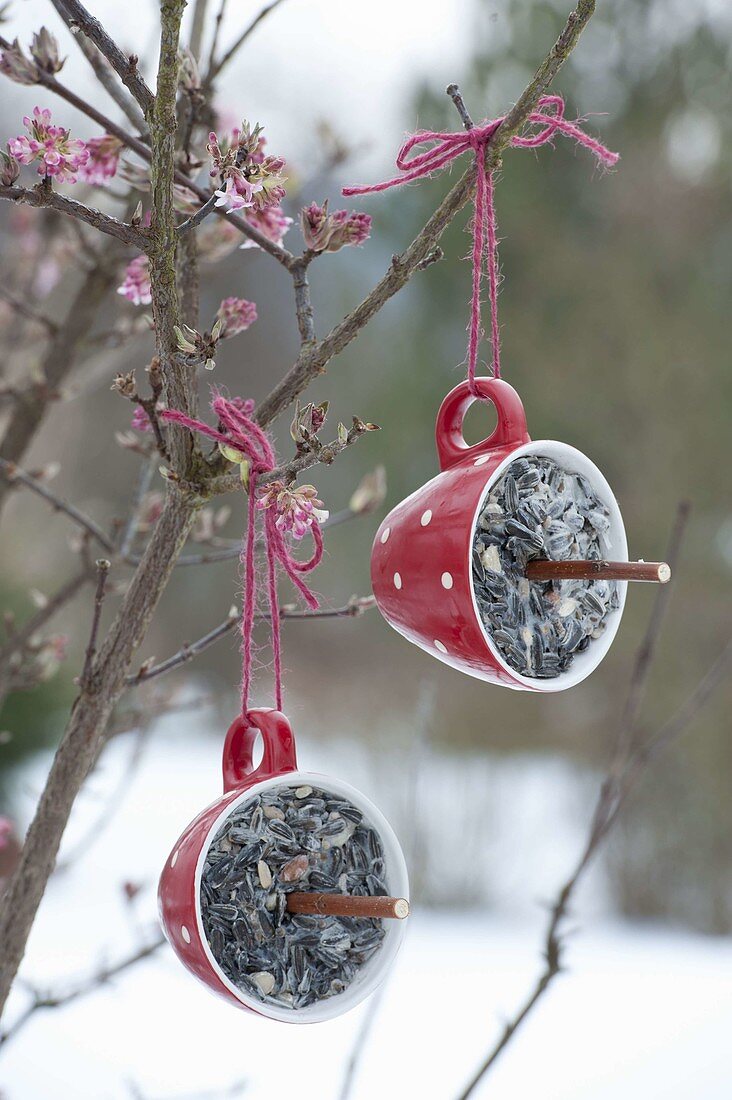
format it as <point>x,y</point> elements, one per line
<point>641,1014</point>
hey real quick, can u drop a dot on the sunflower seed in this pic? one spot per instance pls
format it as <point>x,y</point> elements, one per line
<point>539,508</point>
<point>263,851</point>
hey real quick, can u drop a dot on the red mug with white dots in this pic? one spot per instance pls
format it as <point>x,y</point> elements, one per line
<point>180,883</point>
<point>421,561</point>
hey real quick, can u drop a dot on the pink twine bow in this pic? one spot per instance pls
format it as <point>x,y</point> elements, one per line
<point>244,435</point>
<point>442,149</point>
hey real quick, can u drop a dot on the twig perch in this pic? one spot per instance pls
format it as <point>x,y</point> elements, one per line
<point>347,905</point>
<point>584,570</point>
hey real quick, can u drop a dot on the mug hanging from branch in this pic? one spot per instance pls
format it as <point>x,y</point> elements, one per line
<point>512,564</point>
<point>287,895</point>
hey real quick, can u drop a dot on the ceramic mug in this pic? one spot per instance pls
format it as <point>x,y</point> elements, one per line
<point>180,882</point>
<point>421,561</point>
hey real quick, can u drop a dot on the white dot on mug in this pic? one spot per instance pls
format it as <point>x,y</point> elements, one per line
<point>426,517</point>
<point>385,534</point>
<point>174,860</point>
<point>482,460</point>
<point>440,645</point>
<point>397,580</point>
<point>185,933</point>
<point>447,581</point>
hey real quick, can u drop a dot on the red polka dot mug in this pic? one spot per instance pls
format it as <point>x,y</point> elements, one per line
<point>421,562</point>
<point>179,891</point>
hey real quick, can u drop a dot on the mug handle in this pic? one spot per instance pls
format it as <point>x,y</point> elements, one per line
<point>279,756</point>
<point>509,432</point>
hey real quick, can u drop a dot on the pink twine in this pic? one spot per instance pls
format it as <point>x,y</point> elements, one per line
<point>244,435</point>
<point>549,115</point>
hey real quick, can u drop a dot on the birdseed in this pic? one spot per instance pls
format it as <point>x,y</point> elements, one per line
<point>283,840</point>
<point>538,509</point>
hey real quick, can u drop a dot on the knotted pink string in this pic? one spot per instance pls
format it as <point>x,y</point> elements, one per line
<point>442,149</point>
<point>244,435</point>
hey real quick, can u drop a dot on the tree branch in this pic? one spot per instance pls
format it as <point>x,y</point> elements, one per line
<point>13,474</point>
<point>124,66</point>
<point>102,69</point>
<point>105,974</point>
<point>215,67</point>
<point>27,312</point>
<point>355,607</point>
<point>314,358</point>
<point>84,734</point>
<point>43,196</point>
<point>91,650</point>
<point>630,756</point>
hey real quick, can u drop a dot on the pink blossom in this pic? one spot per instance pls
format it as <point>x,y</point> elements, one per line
<point>232,198</point>
<point>59,644</point>
<point>271,221</point>
<point>103,160</point>
<point>325,232</point>
<point>140,420</point>
<point>136,285</point>
<point>60,156</point>
<point>245,405</point>
<point>235,315</point>
<point>352,228</point>
<point>297,507</point>
<point>7,829</point>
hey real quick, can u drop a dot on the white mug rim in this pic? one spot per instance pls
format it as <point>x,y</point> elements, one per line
<point>374,971</point>
<point>584,663</point>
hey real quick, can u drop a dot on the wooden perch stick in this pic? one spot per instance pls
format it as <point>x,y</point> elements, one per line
<point>542,570</point>
<point>347,905</point>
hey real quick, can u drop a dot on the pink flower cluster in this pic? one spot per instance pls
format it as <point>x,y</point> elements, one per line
<point>297,507</point>
<point>65,159</point>
<point>251,179</point>
<point>7,829</point>
<point>235,315</point>
<point>271,221</point>
<point>140,420</point>
<point>324,232</point>
<point>136,285</point>
<point>60,156</point>
<point>104,153</point>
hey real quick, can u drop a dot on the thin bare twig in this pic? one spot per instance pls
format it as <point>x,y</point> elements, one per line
<point>325,454</point>
<point>14,474</point>
<point>105,974</point>
<point>125,66</point>
<point>313,358</point>
<point>631,755</point>
<point>215,67</point>
<point>91,650</point>
<point>102,69</point>
<point>196,219</point>
<point>355,607</point>
<point>456,96</point>
<point>29,313</point>
<point>216,35</point>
